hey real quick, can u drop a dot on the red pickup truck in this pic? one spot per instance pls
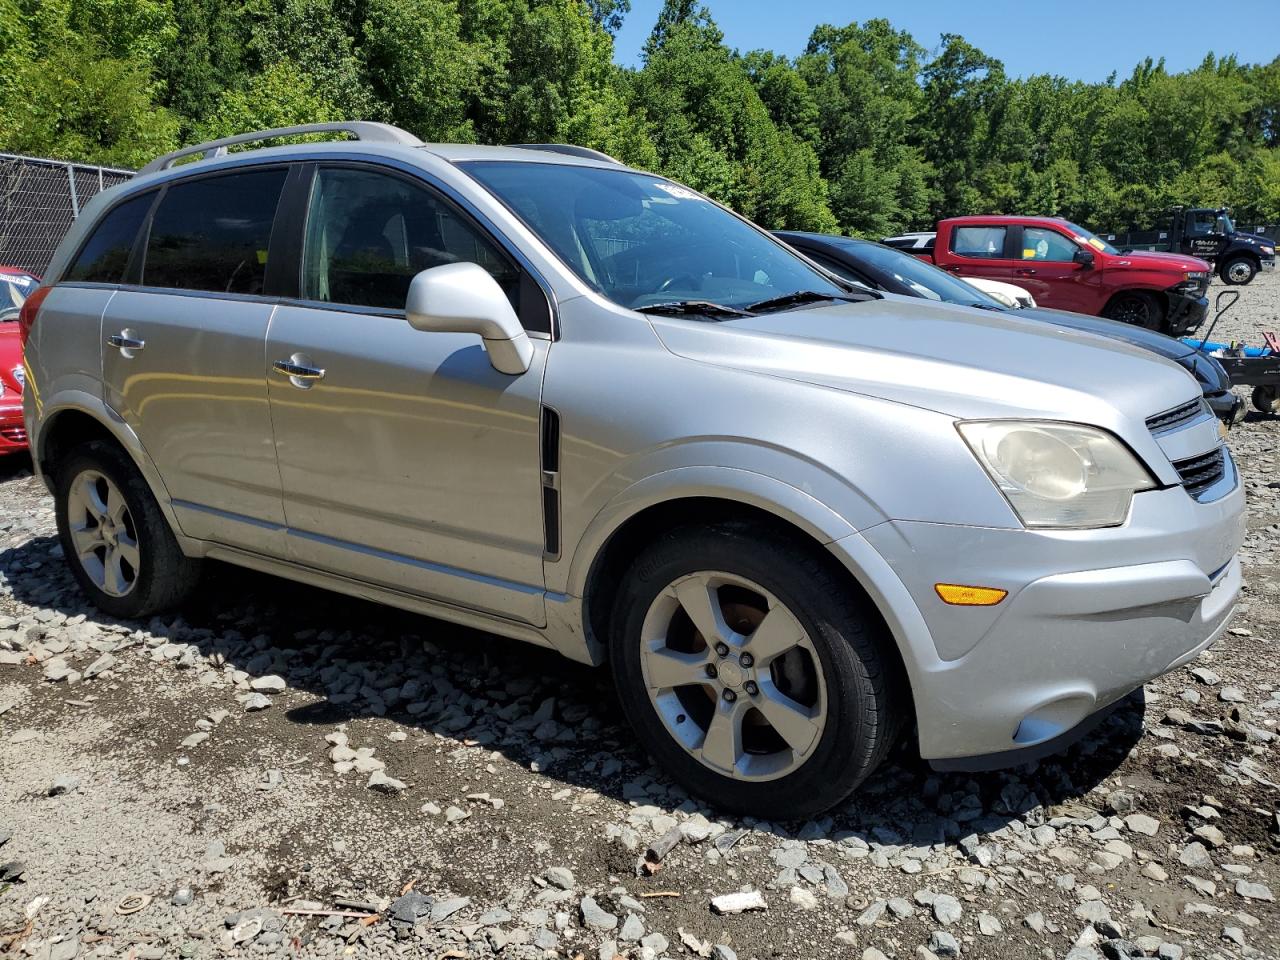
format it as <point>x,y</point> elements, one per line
<point>1068,268</point>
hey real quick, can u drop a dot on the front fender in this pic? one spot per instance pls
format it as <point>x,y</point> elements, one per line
<point>736,484</point>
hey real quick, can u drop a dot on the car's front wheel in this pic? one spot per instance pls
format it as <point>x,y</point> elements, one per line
<point>751,670</point>
<point>1138,308</point>
<point>1238,271</point>
<point>114,536</point>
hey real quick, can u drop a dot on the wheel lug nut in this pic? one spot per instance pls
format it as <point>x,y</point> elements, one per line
<point>730,696</point>
<point>751,688</point>
<point>747,660</point>
<point>712,672</point>
<point>722,649</point>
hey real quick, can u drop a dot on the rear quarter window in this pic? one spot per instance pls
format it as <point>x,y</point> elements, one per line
<point>212,234</point>
<point>105,255</point>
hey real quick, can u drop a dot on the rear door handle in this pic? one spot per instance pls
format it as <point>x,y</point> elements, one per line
<point>124,340</point>
<point>296,371</point>
<point>1025,272</point>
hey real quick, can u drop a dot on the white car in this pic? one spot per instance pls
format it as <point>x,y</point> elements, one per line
<point>1011,295</point>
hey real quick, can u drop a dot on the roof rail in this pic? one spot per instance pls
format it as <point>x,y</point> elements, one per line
<point>364,130</point>
<point>569,150</point>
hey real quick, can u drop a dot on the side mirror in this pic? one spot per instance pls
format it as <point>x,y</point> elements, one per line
<point>464,298</point>
<point>1084,257</point>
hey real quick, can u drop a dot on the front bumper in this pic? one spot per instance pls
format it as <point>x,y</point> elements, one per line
<point>13,434</point>
<point>1090,616</point>
<point>1186,312</point>
<point>1268,264</point>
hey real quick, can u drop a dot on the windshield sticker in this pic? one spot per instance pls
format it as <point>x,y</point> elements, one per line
<point>680,193</point>
<point>1094,242</point>
<point>16,278</point>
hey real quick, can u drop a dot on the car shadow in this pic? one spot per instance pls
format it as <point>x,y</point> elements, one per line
<point>359,659</point>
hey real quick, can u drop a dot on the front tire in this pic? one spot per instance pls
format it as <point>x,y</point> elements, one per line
<point>1138,308</point>
<point>114,536</point>
<point>752,671</point>
<point>1238,271</point>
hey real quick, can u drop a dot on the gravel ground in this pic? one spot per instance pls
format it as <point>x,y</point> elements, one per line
<point>282,771</point>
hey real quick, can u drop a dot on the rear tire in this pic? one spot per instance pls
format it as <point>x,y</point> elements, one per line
<point>114,536</point>
<point>1138,308</point>
<point>1238,271</point>
<point>786,733</point>
<point>1265,400</point>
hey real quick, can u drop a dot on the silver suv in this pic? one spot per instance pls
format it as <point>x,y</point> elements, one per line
<point>531,390</point>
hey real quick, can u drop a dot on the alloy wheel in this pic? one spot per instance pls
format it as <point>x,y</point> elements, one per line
<point>103,533</point>
<point>733,676</point>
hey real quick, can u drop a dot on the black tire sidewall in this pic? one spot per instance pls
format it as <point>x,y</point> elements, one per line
<point>843,757</point>
<point>1225,272</point>
<point>149,525</point>
<point>1154,319</point>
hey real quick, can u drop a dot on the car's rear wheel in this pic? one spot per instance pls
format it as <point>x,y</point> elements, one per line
<point>752,672</point>
<point>114,536</point>
<point>1138,308</point>
<point>1238,271</point>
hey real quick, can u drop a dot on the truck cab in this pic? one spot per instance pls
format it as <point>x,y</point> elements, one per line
<point>1211,234</point>
<point>1066,267</point>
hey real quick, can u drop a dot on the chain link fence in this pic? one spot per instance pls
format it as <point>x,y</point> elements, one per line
<point>39,200</point>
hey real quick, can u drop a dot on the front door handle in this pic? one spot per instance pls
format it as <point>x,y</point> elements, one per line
<point>1025,272</point>
<point>299,371</point>
<point>126,342</point>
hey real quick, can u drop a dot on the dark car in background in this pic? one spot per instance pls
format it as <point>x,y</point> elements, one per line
<point>885,268</point>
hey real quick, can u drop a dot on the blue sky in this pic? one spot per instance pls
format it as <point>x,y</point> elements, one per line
<point>1079,39</point>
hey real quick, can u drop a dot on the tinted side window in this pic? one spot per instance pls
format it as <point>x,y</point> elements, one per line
<point>370,233</point>
<point>105,256</point>
<point>985,242</point>
<point>213,233</point>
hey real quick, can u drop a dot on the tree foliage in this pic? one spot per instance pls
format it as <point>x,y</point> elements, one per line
<point>867,130</point>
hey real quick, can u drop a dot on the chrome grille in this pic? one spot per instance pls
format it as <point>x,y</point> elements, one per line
<point>1200,473</point>
<point>1171,419</point>
<point>14,434</point>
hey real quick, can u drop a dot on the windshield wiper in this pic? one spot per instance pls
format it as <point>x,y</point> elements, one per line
<point>989,306</point>
<point>683,308</point>
<point>799,297</point>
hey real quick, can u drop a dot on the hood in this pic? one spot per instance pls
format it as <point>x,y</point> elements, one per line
<point>1155,260</point>
<point>1165,346</point>
<point>10,355</point>
<point>955,360</point>
<point>1256,238</point>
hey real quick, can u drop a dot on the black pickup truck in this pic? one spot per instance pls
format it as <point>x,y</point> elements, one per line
<point>1211,235</point>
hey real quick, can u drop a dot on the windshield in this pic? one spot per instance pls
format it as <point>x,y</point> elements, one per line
<point>642,241</point>
<point>1091,239</point>
<point>924,279</point>
<point>14,289</point>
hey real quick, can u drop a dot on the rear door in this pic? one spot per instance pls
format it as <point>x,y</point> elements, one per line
<point>982,250</point>
<point>183,356</point>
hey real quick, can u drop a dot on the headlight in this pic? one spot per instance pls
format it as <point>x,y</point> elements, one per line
<point>1268,251</point>
<point>1063,475</point>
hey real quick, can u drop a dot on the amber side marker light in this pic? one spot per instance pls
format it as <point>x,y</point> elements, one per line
<point>959,596</point>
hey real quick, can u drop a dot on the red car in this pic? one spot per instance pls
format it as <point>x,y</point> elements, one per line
<point>1066,267</point>
<point>15,286</point>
